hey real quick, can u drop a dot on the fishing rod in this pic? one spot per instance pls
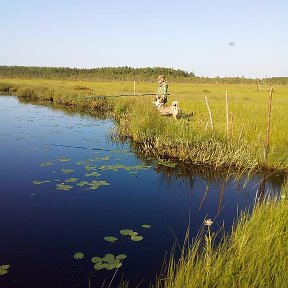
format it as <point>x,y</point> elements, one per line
<point>113,96</point>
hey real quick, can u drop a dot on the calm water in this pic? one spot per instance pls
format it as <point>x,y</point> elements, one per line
<point>44,151</point>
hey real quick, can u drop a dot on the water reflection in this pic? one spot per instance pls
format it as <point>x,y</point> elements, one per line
<point>44,226</point>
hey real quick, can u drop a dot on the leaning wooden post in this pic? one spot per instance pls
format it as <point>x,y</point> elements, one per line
<point>266,150</point>
<point>210,115</point>
<point>227,115</point>
<point>134,87</point>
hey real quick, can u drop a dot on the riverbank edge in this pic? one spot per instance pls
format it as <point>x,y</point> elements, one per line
<point>211,153</point>
<point>253,255</point>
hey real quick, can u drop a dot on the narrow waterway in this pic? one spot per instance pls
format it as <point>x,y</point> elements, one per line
<point>66,187</point>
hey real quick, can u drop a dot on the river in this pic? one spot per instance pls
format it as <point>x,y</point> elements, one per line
<point>65,186</point>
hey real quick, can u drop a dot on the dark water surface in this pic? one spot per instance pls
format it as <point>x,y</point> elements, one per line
<point>42,226</point>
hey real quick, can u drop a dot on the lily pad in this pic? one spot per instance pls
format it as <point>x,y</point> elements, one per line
<point>63,187</point>
<point>82,183</point>
<point>38,182</point>
<point>146,226</point>
<point>66,171</point>
<point>4,269</point>
<point>95,184</point>
<point>45,164</point>
<point>126,232</point>
<point>63,159</point>
<point>108,257</point>
<point>109,261</point>
<point>110,239</point>
<point>121,257</point>
<point>96,260</point>
<point>100,266</point>
<point>71,180</point>
<point>167,163</point>
<point>93,174</point>
<point>78,255</point>
<point>136,238</point>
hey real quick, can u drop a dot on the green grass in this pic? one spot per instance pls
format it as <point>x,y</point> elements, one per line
<point>254,255</point>
<point>191,138</point>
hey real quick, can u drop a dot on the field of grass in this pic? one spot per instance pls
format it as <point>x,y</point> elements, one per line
<point>190,138</point>
<point>254,255</point>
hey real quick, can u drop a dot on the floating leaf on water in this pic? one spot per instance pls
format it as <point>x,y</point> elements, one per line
<point>146,226</point>
<point>78,256</point>
<point>4,269</point>
<point>46,164</point>
<point>90,168</point>
<point>117,265</point>
<point>63,187</point>
<point>71,180</point>
<point>136,238</point>
<point>66,171</point>
<point>110,239</point>
<point>63,159</point>
<point>100,266</point>
<point>95,184</point>
<point>121,257</point>
<point>167,163</point>
<point>38,182</point>
<point>108,257</point>
<point>96,260</point>
<point>126,232</point>
<point>94,174</point>
<point>134,233</point>
<point>82,183</point>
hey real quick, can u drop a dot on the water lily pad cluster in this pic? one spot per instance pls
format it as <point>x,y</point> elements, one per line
<point>91,171</point>
<point>134,236</point>
<point>129,233</point>
<point>109,261</point>
<point>93,185</point>
<point>4,269</point>
<point>117,167</point>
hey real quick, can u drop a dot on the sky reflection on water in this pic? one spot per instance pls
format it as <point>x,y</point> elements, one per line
<point>42,226</point>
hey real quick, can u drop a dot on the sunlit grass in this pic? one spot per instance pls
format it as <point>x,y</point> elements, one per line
<point>254,255</point>
<point>190,138</point>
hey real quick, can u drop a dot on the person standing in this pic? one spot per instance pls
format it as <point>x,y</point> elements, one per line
<point>162,90</point>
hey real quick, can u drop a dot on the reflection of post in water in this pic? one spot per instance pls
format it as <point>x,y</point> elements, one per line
<point>204,196</point>
<point>221,197</point>
<point>261,190</point>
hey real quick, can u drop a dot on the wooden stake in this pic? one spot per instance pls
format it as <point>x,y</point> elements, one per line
<point>210,115</point>
<point>266,151</point>
<point>227,115</point>
<point>134,87</point>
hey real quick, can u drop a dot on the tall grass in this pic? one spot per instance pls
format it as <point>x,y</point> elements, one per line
<point>254,255</point>
<point>190,138</point>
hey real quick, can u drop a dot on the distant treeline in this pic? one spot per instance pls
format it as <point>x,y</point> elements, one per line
<point>125,73</point>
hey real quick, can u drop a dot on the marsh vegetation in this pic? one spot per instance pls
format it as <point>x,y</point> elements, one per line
<point>232,149</point>
<point>236,140</point>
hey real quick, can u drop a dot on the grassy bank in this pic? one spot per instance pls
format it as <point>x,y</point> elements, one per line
<point>240,146</point>
<point>254,255</point>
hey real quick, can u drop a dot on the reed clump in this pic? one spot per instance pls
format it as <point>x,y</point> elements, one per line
<point>254,255</point>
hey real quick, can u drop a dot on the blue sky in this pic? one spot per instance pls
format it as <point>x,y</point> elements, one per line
<point>210,38</point>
